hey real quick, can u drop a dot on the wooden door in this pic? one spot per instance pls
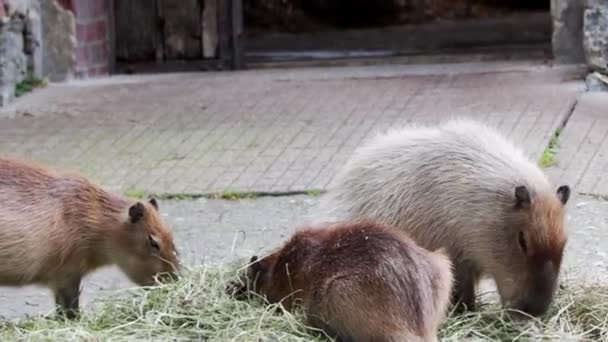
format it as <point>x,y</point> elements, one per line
<point>166,31</point>
<point>136,30</point>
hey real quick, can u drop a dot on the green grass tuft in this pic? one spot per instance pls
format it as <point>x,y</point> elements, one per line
<point>235,195</point>
<point>30,83</point>
<point>548,159</point>
<point>135,194</point>
<point>197,307</point>
<point>549,156</point>
<point>314,193</point>
<point>177,196</point>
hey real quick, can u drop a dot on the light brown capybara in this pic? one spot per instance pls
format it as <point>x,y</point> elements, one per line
<point>56,228</point>
<point>463,187</point>
<point>358,281</point>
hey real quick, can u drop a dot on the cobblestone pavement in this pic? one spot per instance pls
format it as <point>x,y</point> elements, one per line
<point>215,231</point>
<point>269,130</point>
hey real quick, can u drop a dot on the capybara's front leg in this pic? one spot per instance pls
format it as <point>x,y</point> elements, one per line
<point>463,294</point>
<point>67,294</point>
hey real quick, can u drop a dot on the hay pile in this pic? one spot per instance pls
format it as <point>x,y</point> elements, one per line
<point>197,307</point>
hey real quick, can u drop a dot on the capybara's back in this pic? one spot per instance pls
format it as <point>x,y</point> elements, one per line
<point>360,281</point>
<point>29,217</point>
<point>463,187</point>
<point>55,228</point>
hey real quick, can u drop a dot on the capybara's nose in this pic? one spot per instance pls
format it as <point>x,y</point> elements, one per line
<point>538,299</point>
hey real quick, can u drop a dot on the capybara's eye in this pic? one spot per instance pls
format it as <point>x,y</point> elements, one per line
<point>153,242</point>
<point>522,242</point>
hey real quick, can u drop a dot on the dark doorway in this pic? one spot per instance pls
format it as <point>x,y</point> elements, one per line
<point>290,30</point>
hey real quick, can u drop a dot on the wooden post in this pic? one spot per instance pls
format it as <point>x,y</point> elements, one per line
<point>160,32</point>
<point>209,28</point>
<point>112,37</point>
<point>224,32</point>
<point>237,34</point>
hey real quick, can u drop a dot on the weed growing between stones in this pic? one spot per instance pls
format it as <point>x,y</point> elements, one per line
<point>548,158</point>
<point>30,83</point>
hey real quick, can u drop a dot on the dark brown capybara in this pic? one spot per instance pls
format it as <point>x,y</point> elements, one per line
<point>358,281</point>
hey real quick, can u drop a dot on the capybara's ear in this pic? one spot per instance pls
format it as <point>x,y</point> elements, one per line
<point>522,197</point>
<point>253,259</point>
<point>563,193</point>
<point>153,202</point>
<point>136,212</point>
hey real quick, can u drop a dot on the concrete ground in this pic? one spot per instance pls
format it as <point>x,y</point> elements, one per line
<point>290,130</point>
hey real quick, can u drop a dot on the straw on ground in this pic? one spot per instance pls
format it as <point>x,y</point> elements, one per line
<point>198,307</point>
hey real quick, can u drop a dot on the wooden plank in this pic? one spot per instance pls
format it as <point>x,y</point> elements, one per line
<point>225,31</point>
<point>112,36</point>
<point>159,30</point>
<point>203,27</point>
<point>237,35</point>
<point>134,42</point>
<point>210,29</point>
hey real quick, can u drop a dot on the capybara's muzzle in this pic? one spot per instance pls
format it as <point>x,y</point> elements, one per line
<point>537,300</point>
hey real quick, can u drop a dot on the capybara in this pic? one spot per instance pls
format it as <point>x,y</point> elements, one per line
<point>56,228</point>
<point>358,281</point>
<point>463,187</point>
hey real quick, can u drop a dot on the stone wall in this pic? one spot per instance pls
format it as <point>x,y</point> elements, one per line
<point>567,37</point>
<point>596,35</point>
<point>77,38</point>
<point>58,41</point>
<point>19,44</point>
<point>54,39</point>
<point>595,43</point>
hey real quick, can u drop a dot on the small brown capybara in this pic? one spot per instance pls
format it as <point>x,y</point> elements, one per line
<point>358,281</point>
<point>56,228</point>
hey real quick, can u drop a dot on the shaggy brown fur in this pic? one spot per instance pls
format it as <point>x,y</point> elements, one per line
<point>359,282</point>
<point>56,228</point>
